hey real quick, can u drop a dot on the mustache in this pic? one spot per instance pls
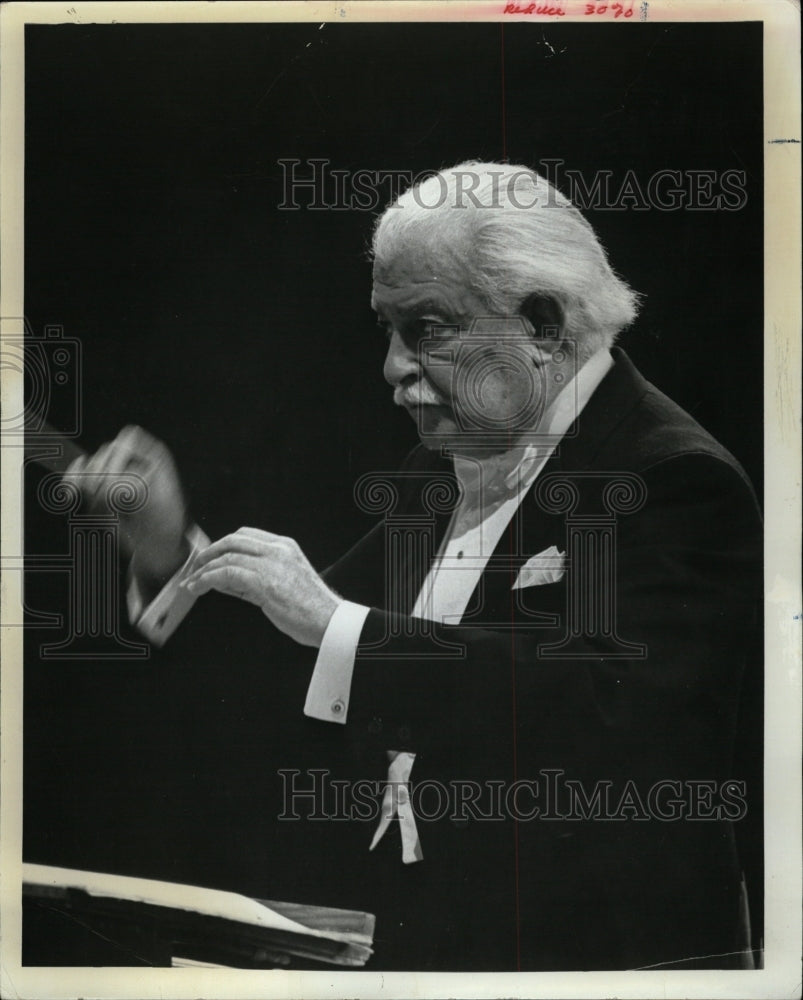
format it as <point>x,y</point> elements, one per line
<point>420,393</point>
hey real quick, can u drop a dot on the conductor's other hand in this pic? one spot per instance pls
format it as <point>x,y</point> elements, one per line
<point>154,534</point>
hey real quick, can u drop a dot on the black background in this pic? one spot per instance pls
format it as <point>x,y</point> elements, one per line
<point>242,336</point>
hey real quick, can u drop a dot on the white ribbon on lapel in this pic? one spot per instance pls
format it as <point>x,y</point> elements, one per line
<point>396,801</point>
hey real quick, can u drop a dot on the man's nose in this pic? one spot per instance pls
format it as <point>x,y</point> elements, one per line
<point>401,360</point>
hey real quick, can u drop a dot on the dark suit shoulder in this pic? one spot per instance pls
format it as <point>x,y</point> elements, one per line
<point>645,428</point>
<point>657,430</point>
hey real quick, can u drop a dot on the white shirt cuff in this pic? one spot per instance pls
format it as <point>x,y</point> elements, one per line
<point>330,688</point>
<point>159,620</point>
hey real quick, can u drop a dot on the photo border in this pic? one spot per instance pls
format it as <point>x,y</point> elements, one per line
<point>782,458</point>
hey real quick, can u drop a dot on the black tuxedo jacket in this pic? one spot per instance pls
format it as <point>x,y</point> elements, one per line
<point>655,699</point>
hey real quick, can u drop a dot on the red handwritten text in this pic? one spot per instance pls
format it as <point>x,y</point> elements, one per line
<point>544,9</point>
<point>617,9</point>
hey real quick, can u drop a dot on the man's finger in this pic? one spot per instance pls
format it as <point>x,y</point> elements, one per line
<point>237,581</point>
<point>74,469</point>
<point>143,445</point>
<point>222,561</point>
<point>267,536</point>
<point>133,435</point>
<point>235,543</point>
<point>88,477</point>
<point>113,459</point>
<point>109,462</point>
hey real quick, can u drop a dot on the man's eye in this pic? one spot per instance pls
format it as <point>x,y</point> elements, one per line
<point>427,329</point>
<point>442,331</point>
<point>413,331</point>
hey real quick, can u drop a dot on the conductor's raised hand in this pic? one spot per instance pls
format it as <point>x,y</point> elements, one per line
<point>272,572</point>
<point>154,534</point>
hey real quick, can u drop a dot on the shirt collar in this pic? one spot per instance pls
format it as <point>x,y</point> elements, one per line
<point>506,471</point>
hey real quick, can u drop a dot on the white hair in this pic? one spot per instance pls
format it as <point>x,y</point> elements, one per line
<point>513,235</point>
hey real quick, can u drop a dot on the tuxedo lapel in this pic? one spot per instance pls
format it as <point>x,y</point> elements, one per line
<point>531,529</point>
<point>616,396</point>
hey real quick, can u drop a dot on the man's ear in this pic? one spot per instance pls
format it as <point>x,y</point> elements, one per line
<point>546,320</point>
<point>545,316</point>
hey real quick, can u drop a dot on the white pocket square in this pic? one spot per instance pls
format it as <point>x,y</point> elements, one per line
<point>547,567</point>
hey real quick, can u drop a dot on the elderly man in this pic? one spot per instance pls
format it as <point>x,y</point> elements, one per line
<point>547,633</point>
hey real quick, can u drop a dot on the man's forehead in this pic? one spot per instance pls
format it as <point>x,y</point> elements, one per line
<point>418,275</point>
<point>408,268</point>
<point>422,296</point>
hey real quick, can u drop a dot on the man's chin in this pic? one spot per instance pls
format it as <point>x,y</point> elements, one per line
<point>436,426</point>
<point>451,440</point>
<point>432,443</point>
<point>443,441</point>
<point>456,447</point>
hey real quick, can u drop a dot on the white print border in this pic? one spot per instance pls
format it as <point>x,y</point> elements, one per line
<point>782,365</point>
